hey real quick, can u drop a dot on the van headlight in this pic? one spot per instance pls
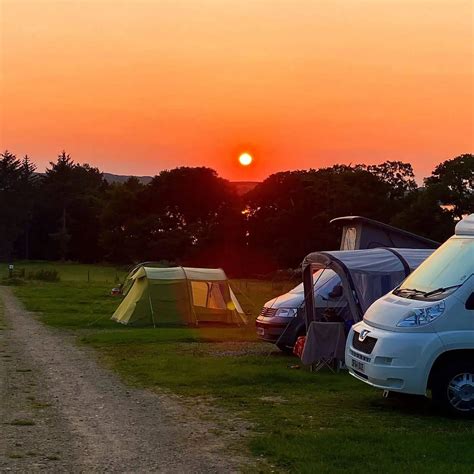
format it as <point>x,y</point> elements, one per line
<point>422,316</point>
<point>286,312</point>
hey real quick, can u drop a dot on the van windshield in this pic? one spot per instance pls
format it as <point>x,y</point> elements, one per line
<point>442,273</point>
<point>320,277</point>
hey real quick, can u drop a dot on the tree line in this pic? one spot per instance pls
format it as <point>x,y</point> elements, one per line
<point>191,216</point>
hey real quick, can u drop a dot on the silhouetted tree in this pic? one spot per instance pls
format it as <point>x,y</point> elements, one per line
<point>16,199</point>
<point>452,182</point>
<point>399,176</point>
<point>192,216</point>
<point>29,180</point>
<point>124,236</point>
<point>423,215</point>
<point>68,211</point>
<point>188,212</point>
<point>289,212</point>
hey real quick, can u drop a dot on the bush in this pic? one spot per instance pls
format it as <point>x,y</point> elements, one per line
<point>44,275</point>
<point>12,281</point>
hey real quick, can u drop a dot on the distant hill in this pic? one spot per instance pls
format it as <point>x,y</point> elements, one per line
<point>119,178</point>
<point>241,187</point>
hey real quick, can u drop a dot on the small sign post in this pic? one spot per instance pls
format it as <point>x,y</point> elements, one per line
<point>10,270</point>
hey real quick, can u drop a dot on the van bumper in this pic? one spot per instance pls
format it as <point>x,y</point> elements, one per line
<point>395,361</point>
<point>271,328</point>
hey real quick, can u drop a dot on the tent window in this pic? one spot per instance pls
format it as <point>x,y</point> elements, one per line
<point>208,294</point>
<point>200,291</point>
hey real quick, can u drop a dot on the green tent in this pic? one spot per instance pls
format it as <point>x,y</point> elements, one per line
<point>178,296</point>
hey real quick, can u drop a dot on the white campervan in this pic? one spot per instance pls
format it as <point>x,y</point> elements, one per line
<point>420,336</point>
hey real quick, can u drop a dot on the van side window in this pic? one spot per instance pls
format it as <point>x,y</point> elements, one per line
<point>349,239</point>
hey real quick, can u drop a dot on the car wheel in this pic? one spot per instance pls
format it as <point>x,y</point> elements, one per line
<point>453,388</point>
<point>285,349</point>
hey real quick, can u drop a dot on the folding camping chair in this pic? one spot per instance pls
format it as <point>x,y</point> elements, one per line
<point>325,346</point>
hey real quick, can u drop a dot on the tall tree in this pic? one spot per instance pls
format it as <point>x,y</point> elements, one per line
<point>16,188</point>
<point>289,212</point>
<point>68,213</point>
<point>189,211</point>
<point>124,235</point>
<point>423,215</point>
<point>29,181</point>
<point>453,183</point>
<point>280,220</point>
<point>399,176</point>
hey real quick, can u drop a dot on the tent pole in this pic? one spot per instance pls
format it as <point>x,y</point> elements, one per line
<point>151,308</point>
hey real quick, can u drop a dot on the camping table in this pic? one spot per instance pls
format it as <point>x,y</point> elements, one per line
<point>325,342</point>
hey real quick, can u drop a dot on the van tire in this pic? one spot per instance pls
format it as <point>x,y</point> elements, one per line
<point>452,374</point>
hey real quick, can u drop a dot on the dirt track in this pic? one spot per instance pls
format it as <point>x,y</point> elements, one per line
<point>61,412</point>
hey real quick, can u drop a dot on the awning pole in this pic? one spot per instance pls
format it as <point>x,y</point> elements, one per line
<point>308,294</point>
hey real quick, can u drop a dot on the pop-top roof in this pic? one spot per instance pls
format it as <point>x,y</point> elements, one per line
<point>466,226</point>
<point>411,240</point>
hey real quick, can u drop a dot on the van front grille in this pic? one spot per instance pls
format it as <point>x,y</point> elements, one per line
<point>268,312</point>
<point>366,346</point>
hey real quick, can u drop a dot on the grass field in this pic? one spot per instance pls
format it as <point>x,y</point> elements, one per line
<point>302,421</point>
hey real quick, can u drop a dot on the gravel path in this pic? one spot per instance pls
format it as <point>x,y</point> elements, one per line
<point>62,412</point>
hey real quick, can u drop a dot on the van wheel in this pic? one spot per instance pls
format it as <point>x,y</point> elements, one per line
<point>453,388</point>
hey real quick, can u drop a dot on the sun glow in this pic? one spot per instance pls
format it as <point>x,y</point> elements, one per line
<point>245,159</point>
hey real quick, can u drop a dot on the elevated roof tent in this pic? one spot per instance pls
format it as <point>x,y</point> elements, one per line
<point>363,233</point>
<point>466,226</point>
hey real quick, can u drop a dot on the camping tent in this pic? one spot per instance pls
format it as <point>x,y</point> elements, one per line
<point>366,275</point>
<point>178,295</point>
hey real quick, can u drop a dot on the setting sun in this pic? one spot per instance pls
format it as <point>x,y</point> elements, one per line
<point>245,159</point>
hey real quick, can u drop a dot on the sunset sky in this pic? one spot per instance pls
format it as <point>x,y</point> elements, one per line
<point>135,87</point>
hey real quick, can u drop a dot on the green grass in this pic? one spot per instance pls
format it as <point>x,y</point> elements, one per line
<point>72,305</point>
<point>72,272</point>
<point>301,421</point>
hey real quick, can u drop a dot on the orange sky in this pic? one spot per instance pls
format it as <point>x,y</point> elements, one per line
<point>134,86</point>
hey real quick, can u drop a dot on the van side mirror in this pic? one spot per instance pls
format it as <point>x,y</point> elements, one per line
<point>470,302</point>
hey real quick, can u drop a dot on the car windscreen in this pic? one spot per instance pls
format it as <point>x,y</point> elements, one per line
<point>321,279</point>
<point>443,272</point>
